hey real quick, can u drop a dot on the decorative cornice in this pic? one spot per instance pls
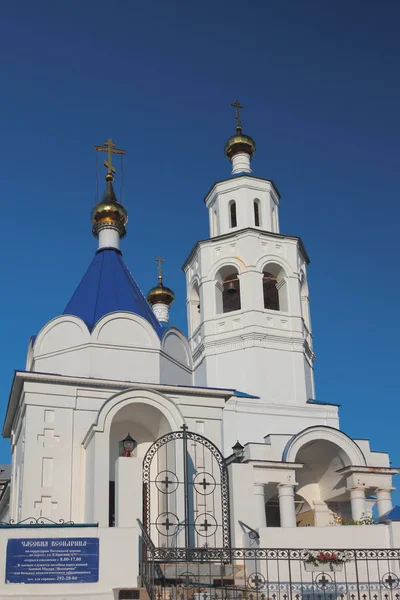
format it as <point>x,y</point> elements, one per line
<point>238,178</point>
<point>368,469</point>
<point>258,232</point>
<point>303,412</point>
<point>251,340</point>
<point>20,377</point>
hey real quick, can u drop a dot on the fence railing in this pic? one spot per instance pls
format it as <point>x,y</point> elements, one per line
<point>268,574</point>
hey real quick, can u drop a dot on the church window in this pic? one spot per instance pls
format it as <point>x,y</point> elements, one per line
<point>271,294</point>
<point>195,315</point>
<point>232,213</point>
<point>231,293</point>
<point>257,221</point>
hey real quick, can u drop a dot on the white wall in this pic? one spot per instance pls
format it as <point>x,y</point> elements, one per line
<point>347,536</point>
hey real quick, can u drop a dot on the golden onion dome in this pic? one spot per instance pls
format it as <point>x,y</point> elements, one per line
<point>160,294</point>
<point>240,142</point>
<point>109,212</point>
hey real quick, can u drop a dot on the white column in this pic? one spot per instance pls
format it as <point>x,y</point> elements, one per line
<point>241,163</point>
<point>286,505</point>
<point>259,493</point>
<point>383,501</point>
<point>358,504</point>
<point>128,491</point>
<point>109,238</point>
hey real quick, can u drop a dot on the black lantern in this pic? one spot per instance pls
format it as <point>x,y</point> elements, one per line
<point>238,451</point>
<point>129,444</point>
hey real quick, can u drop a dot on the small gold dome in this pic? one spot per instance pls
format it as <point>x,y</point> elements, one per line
<point>239,142</point>
<point>160,294</point>
<point>109,212</point>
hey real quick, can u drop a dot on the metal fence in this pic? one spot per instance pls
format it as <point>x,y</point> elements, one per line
<point>267,574</point>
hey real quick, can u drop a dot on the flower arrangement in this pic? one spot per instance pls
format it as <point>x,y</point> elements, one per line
<point>365,520</point>
<point>319,557</point>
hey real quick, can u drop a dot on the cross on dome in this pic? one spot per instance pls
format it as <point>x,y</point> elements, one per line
<point>110,148</point>
<point>237,106</point>
<point>159,261</point>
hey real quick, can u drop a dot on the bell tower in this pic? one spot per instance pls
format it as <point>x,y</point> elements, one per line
<point>247,294</point>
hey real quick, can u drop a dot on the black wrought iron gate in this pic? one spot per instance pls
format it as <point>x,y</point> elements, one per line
<point>185,492</point>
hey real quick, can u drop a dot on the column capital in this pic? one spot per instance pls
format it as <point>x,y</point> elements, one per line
<point>356,488</point>
<point>282,486</point>
<point>260,487</point>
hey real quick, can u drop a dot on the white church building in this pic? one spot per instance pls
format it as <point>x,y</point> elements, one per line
<point>142,460</point>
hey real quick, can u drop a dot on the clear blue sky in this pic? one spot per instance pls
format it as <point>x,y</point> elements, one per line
<point>320,83</point>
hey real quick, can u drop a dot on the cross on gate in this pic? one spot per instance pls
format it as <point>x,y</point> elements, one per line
<point>323,581</point>
<point>45,505</point>
<point>205,524</point>
<point>47,438</point>
<point>204,483</point>
<point>167,524</point>
<point>184,427</point>
<point>257,580</point>
<point>390,581</point>
<point>166,481</point>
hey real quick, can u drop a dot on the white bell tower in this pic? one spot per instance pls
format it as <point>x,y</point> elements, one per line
<point>247,294</point>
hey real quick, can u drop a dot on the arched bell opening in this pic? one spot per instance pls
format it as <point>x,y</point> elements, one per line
<point>227,290</point>
<point>274,288</point>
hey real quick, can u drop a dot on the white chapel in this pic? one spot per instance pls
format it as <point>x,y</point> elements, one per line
<point>124,431</point>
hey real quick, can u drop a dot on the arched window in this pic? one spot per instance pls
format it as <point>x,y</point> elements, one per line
<point>231,293</point>
<point>194,308</point>
<point>257,219</point>
<point>232,213</point>
<point>271,294</point>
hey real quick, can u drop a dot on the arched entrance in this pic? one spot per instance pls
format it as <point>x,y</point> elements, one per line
<point>185,492</point>
<point>324,453</point>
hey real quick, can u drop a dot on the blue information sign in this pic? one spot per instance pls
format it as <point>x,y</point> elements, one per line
<point>52,560</point>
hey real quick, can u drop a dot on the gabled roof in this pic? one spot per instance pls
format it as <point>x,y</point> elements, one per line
<point>106,287</point>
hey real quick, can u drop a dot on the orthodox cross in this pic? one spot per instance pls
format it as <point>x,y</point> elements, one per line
<point>237,106</point>
<point>159,261</point>
<point>110,148</point>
